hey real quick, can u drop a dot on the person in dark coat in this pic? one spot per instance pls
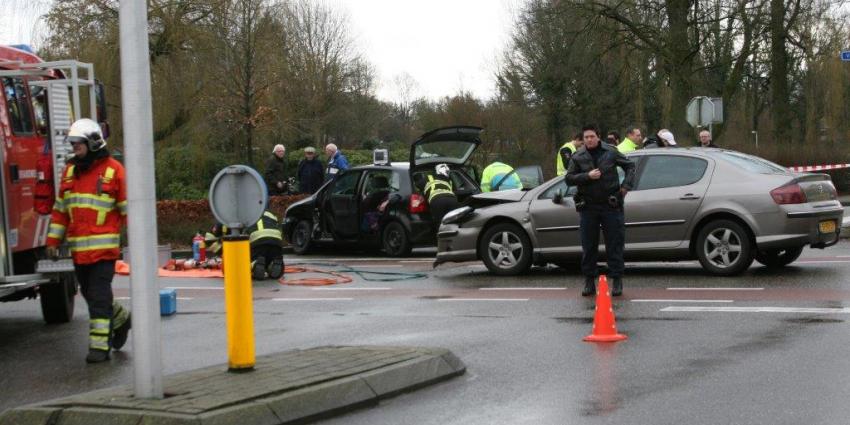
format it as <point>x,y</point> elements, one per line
<point>275,175</point>
<point>310,172</point>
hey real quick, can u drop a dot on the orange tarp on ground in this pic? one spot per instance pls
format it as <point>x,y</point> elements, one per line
<point>123,268</point>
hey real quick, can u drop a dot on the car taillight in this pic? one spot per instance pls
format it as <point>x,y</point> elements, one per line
<point>417,204</point>
<point>788,194</point>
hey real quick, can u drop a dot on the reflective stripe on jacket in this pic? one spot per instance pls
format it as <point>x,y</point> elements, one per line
<point>266,231</point>
<point>89,211</point>
<point>437,187</point>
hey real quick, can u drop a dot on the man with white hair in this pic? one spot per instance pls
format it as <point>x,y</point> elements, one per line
<point>275,174</point>
<point>705,139</point>
<point>337,162</point>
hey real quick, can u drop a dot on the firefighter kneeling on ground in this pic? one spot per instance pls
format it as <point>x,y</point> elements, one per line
<point>266,241</point>
<point>266,247</point>
<point>88,213</point>
<point>438,191</point>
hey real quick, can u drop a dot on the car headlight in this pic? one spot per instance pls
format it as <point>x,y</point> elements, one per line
<point>455,216</point>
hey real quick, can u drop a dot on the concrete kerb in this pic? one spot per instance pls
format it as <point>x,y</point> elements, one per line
<point>367,375</point>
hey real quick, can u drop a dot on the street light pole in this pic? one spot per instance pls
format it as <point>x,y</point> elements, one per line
<point>141,197</point>
<point>756,133</point>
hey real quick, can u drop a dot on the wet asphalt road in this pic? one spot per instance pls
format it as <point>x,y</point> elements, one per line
<point>520,339</point>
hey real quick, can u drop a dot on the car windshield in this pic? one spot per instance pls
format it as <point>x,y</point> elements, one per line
<point>753,163</point>
<point>452,151</point>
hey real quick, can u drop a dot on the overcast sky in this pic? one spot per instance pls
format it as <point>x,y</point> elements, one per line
<point>445,45</point>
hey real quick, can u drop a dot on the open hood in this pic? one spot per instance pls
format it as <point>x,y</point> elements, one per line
<point>492,198</point>
<point>448,145</point>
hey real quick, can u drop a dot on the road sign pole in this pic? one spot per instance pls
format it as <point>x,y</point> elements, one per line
<point>141,197</point>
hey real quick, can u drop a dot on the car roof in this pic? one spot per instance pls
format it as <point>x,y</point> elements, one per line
<point>390,166</point>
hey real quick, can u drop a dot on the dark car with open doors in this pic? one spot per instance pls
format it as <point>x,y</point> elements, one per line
<point>379,205</point>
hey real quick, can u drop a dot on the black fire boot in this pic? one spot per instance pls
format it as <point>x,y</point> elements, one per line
<point>275,269</point>
<point>258,268</point>
<point>618,287</point>
<point>589,286</point>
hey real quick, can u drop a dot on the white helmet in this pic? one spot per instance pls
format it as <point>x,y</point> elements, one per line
<point>442,169</point>
<point>86,130</point>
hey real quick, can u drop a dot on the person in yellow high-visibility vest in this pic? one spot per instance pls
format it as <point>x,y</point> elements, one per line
<point>499,176</point>
<point>438,191</point>
<point>566,152</point>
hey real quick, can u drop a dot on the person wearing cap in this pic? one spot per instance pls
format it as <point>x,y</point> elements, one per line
<point>90,209</point>
<point>667,137</point>
<point>310,173</point>
<point>275,174</point>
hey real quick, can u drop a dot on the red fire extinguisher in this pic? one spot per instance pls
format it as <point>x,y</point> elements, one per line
<point>45,196</point>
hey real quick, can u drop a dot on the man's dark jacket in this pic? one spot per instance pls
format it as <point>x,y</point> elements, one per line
<point>598,191</point>
<point>275,172</point>
<point>311,175</point>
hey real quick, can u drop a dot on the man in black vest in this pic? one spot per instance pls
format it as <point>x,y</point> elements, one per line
<point>599,200</point>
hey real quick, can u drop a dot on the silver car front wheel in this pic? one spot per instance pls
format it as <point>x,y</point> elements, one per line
<point>724,248</point>
<point>505,249</point>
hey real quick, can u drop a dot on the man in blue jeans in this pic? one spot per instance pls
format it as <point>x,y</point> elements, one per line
<point>599,201</point>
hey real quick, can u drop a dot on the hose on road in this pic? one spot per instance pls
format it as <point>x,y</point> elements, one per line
<point>339,274</point>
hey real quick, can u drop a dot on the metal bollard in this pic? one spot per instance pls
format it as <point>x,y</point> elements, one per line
<point>238,302</point>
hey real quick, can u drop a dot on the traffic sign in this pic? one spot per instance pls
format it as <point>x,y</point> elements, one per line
<point>700,111</point>
<point>238,196</point>
<point>845,55</point>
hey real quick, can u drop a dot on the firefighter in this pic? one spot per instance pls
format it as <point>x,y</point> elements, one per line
<point>438,191</point>
<point>266,247</point>
<point>88,213</point>
<point>499,176</point>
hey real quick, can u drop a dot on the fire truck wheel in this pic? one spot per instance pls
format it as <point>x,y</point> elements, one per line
<point>57,299</point>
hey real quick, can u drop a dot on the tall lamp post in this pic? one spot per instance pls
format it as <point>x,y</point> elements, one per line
<point>756,134</point>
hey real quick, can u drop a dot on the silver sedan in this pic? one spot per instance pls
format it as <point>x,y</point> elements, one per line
<point>721,207</point>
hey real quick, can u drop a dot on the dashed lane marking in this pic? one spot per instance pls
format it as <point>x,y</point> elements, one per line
<point>522,289</point>
<point>211,288</point>
<point>808,310</point>
<point>312,299</point>
<point>483,299</point>
<point>715,289</point>
<point>352,289</point>
<point>682,301</point>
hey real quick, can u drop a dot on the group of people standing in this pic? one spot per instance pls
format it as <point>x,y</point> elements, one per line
<point>310,174</point>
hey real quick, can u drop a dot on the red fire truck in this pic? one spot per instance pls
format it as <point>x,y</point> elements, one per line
<point>39,102</point>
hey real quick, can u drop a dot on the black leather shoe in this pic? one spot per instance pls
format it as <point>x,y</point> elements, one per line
<point>258,269</point>
<point>97,356</point>
<point>618,287</point>
<point>589,286</point>
<point>119,335</point>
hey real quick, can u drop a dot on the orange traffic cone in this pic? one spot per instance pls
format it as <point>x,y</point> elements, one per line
<point>604,323</point>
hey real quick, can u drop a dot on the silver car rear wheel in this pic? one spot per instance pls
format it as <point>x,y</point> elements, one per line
<point>505,249</point>
<point>724,248</point>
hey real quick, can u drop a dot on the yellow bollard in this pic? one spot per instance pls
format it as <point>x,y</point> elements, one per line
<point>238,302</point>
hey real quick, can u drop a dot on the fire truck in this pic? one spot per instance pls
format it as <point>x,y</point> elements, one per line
<point>39,102</point>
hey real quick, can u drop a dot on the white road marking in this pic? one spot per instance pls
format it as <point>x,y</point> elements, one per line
<point>211,288</point>
<point>682,301</point>
<point>352,289</point>
<point>522,289</point>
<point>758,310</point>
<point>483,299</point>
<point>392,260</point>
<point>312,299</point>
<point>715,289</point>
<point>179,298</point>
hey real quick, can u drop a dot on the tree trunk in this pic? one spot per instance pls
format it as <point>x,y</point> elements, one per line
<point>680,60</point>
<point>779,96</point>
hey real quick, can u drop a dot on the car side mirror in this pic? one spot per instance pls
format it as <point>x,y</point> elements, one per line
<point>559,197</point>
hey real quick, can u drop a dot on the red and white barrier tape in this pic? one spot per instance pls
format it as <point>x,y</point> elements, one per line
<point>806,168</point>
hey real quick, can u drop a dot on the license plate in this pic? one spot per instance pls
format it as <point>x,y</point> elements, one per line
<point>827,226</point>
